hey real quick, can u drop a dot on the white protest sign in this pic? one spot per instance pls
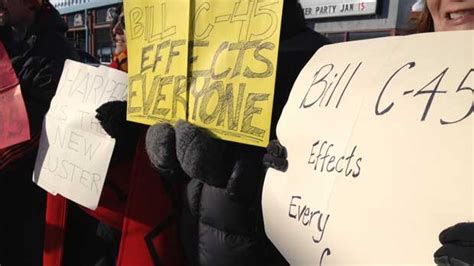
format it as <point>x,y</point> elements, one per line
<point>379,136</point>
<point>75,152</point>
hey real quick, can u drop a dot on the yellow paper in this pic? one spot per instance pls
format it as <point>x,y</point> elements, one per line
<point>233,67</point>
<point>157,39</point>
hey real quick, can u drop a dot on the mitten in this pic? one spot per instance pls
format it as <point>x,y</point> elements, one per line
<point>458,246</point>
<point>276,156</point>
<point>201,156</point>
<point>161,150</point>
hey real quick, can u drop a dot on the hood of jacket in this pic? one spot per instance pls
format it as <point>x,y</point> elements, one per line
<point>292,22</point>
<point>47,19</point>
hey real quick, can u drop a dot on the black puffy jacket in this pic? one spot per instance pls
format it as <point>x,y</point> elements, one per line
<point>220,220</point>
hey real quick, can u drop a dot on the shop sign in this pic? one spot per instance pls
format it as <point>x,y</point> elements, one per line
<point>338,8</point>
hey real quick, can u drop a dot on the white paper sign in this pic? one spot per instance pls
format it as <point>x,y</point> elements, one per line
<point>379,136</point>
<point>75,152</point>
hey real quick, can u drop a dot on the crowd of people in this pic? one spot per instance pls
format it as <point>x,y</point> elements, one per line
<point>173,194</point>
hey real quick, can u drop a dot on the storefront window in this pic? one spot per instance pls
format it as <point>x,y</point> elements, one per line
<point>103,45</point>
<point>77,39</point>
<point>105,15</point>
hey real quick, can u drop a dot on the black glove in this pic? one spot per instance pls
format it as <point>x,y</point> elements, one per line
<point>276,156</point>
<point>458,246</point>
<point>161,150</point>
<point>113,119</point>
<point>203,157</point>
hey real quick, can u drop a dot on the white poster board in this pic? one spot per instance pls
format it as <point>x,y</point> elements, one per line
<point>75,152</point>
<point>379,136</point>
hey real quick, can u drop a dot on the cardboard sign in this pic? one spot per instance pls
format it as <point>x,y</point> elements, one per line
<point>75,152</point>
<point>157,40</point>
<point>233,67</point>
<point>14,124</point>
<point>379,136</point>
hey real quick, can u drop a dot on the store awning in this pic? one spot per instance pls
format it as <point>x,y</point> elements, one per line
<point>71,6</point>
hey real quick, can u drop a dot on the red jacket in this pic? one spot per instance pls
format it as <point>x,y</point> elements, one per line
<point>148,219</point>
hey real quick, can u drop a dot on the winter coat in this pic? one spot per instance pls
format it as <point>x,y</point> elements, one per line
<point>44,48</point>
<point>42,53</point>
<point>222,220</point>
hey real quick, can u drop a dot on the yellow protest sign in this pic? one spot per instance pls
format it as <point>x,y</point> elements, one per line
<point>233,67</point>
<point>157,39</point>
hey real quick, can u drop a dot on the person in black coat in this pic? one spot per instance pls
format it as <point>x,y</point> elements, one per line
<point>33,35</point>
<point>222,218</point>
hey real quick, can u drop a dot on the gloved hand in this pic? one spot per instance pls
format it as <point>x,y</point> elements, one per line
<point>202,157</point>
<point>458,246</point>
<point>113,119</point>
<point>161,149</point>
<point>276,156</point>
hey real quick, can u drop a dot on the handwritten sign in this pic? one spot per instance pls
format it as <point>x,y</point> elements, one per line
<point>157,40</point>
<point>233,66</point>
<point>14,125</point>
<point>75,152</point>
<point>379,138</point>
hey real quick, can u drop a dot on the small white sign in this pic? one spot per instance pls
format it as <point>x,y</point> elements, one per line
<point>75,152</point>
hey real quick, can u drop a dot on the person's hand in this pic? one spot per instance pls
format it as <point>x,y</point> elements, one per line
<point>113,118</point>
<point>458,246</point>
<point>161,150</point>
<point>276,156</point>
<point>201,156</point>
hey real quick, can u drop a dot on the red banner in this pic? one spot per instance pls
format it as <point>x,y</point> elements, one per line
<point>14,126</point>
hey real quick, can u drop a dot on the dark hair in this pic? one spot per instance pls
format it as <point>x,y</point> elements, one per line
<point>425,21</point>
<point>115,18</point>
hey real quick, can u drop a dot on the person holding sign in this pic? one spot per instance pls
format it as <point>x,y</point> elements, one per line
<point>33,34</point>
<point>124,229</point>
<point>221,220</point>
<point>439,15</point>
<point>96,232</point>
